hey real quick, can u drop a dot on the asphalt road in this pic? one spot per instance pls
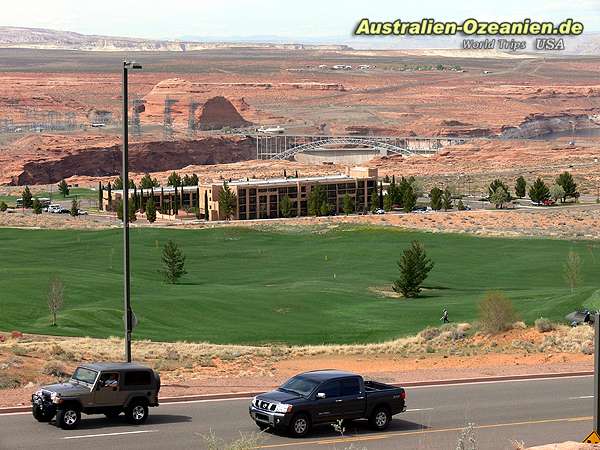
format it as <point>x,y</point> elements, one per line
<point>533,411</point>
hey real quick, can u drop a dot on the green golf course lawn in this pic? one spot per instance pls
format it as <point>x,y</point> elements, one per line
<point>302,286</point>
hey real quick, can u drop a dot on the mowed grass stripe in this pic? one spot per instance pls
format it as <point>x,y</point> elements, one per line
<point>306,286</point>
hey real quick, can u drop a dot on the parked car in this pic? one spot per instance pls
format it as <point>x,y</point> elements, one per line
<point>379,211</point>
<point>55,208</point>
<point>64,211</point>
<point>549,202</point>
<point>82,212</point>
<point>100,388</point>
<point>326,396</point>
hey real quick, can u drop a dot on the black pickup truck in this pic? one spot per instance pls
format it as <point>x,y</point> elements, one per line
<point>326,396</point>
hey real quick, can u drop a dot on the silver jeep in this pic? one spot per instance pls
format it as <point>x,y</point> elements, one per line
<point>100,388</point>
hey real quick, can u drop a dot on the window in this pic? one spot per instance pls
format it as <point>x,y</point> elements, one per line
<point>138,378</point>
<point>350,386</point>
<point>331,389</point>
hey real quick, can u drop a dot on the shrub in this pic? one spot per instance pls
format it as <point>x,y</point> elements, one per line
<point>18,350</point>
<point>55,368</point>
<point>587,348</point>
<point>496,313</point>
<point>544,325</point>
<point>244,442</point>
<point>16,334</point>
<point>9,381</point>
<point>430,333</point>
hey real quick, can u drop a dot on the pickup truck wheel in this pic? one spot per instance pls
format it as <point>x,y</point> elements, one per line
<point>68,418</point>
<point>137,412</point>
<point>42,416</point>
<point>380,419</point>
<point>300,425</point>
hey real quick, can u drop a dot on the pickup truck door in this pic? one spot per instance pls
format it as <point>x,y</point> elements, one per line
<point>330,408</point>
<point>353,398</point>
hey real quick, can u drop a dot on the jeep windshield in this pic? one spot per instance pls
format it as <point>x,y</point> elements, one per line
<point>299,385</point>
<point>84,375</point>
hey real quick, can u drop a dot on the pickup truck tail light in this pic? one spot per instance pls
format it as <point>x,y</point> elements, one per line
<point>403,395</point>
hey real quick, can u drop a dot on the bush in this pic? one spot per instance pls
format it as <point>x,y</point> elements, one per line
<point>496,313</point>
<point>55,368</point>
<point>430,333</point>
<point>544,325</point>
<point>587,348</point>
<point>9,381</point>
<point>18,350</point>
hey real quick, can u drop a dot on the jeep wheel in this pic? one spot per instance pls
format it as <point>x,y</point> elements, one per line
<point>300,425</point>
<point>380,419</point>
<point>68,418</point>
<point>42,416</point>
<point>137,412</point>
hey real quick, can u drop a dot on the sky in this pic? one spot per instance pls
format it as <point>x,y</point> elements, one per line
<point>174,19</point>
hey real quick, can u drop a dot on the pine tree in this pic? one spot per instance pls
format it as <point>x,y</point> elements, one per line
<point>36,206</point>
<point>388,202</point>
<point>414,266</point>
<point>175,202</point>
<point>173,261</point>
<point>130,206</point>
<point>27,198</point>
<point>409,199</point>
<point>206,208</point>
<point>227,201</point>
<point>109,189</point>
<point>194,181</point>
<point>374,201</point>
<point>447,200</point>
<point>63,188</point>
<point>435,196</point>
<point>100,195</point>
<point>148,182</point>
<point>285,207</point>
<point>174,179</point>
<point>539,192</point>
<point>316,199</point>
<point>348,204</point>
<point>566,181</point>
<point>74,211</point>
<point>520,187</point>
<point>494,185</point>
<point>460,205</point>
<point>151,210</point>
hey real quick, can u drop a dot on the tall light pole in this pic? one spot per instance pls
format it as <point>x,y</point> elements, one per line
<point>125,178</point>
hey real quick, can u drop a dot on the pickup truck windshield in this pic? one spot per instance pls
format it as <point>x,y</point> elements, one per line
<point>300,386</point>
<point>85,375</point>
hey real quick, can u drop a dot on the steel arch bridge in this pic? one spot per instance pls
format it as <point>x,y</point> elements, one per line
<point>280,147</point>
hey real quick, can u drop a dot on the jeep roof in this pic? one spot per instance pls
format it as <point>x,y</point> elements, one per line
<point>116,366</point>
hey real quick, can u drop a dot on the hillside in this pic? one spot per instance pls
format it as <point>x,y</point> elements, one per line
<point>41,38</point>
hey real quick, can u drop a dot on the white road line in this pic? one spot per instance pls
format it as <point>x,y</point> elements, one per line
<point>468,383</point>
<point>109,434</point>
<point>579,398</point>
<point>419,409</point>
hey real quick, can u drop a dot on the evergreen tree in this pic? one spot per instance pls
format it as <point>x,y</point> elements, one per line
<point>348,204</point>
<point>173,261</point>
<point>27,198</point>
<point>499,197</point>
<point>185,181</point>
<point>460,205</point>
<point>74,211</point>
<point>447,200</point>
<point>3,206</point>
<point>100,195</point>
<point>326,209</point>
<point>109,190</point>
<point>194,181</point>
<point>316,199</point>
<point>36,206</point>
<point>118,183</point>
<point>566,181</point>
<point>175,202</point>
<point>381,195</point>
<point>494,185</point>
<point>435,196</point>
<point>414,266</point>
<point>374,201</point>
<point>151,210</point>
<point>206,208</point>
<point>174,179</point>
<point>285,207</point>
<point>388,202</point>
<point>539,192</point>
<point>409,199</point>
<point>131,207</point>
<point>63,188</point>
<point>148,182</point>
<point>227,201</point>
<point>520,187</point>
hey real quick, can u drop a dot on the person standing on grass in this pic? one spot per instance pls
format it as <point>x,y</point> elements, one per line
<point>444,317</point>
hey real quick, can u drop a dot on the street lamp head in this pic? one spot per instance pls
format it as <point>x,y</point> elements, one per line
<point>132,65</point>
